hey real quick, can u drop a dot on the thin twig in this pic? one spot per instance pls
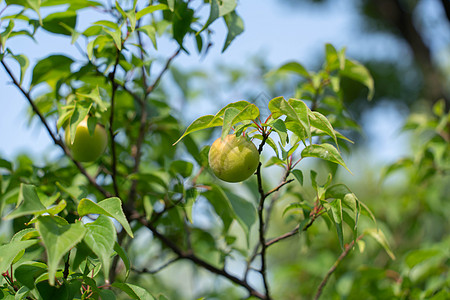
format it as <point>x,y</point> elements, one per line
<point>166,67</point>
<point>335,265</point>
<point>111,125</point>
<point>160,268</point>
<point>293,232</point>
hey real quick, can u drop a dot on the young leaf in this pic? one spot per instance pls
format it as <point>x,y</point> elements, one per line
<point>217,10</point>
<point>319,121</point>
<point>59,22</point>
<point>228,117</point>
<point>111,207</point>
<point>235,27</point>
<point>51,69</point>
<point>359,73</point>
<point>28,202</point>
<point>9,251</point>
<point>326,152</point>
<point>293,67</point>
<point>378,235</point>
<point>203,122</point>
<point>134,291</point>
<point>150,9</point>
<point>336,216</point>
<point>298,175</point>
<point>123,255</point>
<point>58,237</point>
<point>100,237</point>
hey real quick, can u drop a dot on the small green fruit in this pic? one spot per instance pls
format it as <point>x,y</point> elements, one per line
<point>233,159</point>
<point>86,147</point>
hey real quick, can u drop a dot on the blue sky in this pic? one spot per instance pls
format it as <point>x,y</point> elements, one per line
<point>281,33</point>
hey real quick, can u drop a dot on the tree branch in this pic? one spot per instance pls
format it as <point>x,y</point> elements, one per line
<point>262,240</point>
<point>112,76</point>
<point>292,232</point>
<point>335,265</point>
<point>192,257</point>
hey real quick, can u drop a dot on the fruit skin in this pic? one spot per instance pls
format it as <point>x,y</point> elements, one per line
<point>86,147</point>
<point>233,159</point>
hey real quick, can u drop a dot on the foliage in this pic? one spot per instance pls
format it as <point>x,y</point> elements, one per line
<point>90,230</point>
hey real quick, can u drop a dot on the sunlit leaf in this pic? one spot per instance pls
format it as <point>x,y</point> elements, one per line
<point>378,235</point>
<point>235,27</point>
<point>326,152</point>
<point>9,251</point>
<point>55,22</point>
<point>58,237</point>
<point>134,291</point>
<point>111,207</point>
<point>100,237</point>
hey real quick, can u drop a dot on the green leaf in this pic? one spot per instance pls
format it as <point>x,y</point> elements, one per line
<point>116,36</point>
<point>294,67</point>
<point>326,152</point>
<point>51,69</point>
<point>23,62</point>
<point>123,255</point>
<point>217,10</point>
<point>58,237</point>
<point>298,175</point>
<point>279,126</point>
<point>378,235</point>
<point>134,291</point>
<point>95,96</point>
<point>203,122</point>
<point>416,257</point>
<point>79,113</point>
<point>321,122</point>
<point>336,216</point>
<point>150,31</point>
<point>22,293</point>
<point>228,117</point>
<point>296,110</point>
<point>55,22</point>
<point>9,251</point>
<point>182,19</point>
<point>221,204</point>
<point>184,168</point>
<point>235,27</point>
<point>111,207</point>
<point>30,204</point>
<point>359,73</point>
<point>27,273</point>
<point>245,213</point>
<point>150,9</point>
<point>248,111</point>
<point>100,237</point>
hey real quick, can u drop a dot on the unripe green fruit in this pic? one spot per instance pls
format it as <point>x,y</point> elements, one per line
<point>233,159</point>
<point>86,147</point>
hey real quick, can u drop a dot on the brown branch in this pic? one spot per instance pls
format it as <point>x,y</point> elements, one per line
<point>262,240</point>
<point>55,139</point>
<point>112,76</point>
<point>160,268</point>
<point>143,127</point>
<point>166,67</point>
<point>192,257</point>
<point>293,232</point>
<point>335,265</point>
